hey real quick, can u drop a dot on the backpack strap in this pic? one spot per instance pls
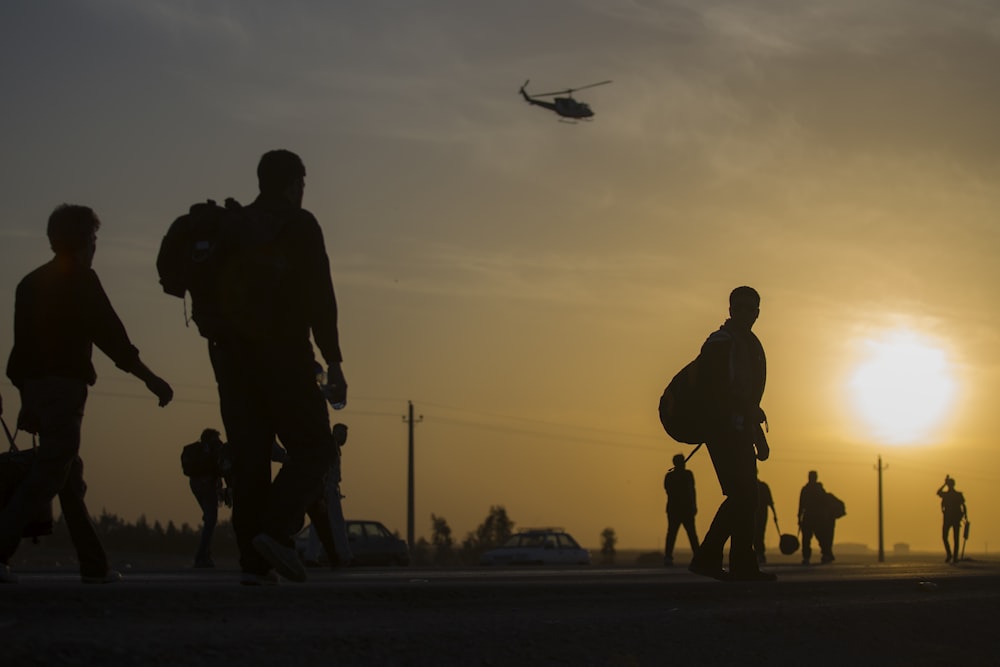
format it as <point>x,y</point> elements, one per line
<point>10,438</point>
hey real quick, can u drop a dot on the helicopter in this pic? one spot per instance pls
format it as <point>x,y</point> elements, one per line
<point>567,107</point>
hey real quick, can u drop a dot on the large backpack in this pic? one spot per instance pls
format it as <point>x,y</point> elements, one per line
<point>191,258</point>
<point>684,408</point>
<point>834,506</point>
<point>196,462</point>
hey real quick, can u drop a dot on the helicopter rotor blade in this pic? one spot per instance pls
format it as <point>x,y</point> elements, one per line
<point>591,85</point>
<point>558,92</point>
<point>570,91</point>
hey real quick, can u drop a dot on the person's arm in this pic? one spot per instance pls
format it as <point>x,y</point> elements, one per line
<point>109,335</point>
<point>322,308</point>
<point>694,497</point>
<point>157,385</point>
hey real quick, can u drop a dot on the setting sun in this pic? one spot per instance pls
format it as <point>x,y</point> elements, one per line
<point>903,387</point>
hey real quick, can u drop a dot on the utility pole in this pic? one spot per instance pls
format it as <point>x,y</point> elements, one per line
<point>409,476</point>
<point>881,545</point>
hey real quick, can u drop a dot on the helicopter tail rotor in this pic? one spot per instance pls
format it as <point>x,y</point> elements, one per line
<point>524,93</point>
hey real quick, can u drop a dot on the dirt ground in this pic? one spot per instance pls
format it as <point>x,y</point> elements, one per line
<point>919,614</point>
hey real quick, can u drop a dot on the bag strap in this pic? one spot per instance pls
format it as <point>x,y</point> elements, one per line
<point>10,438</point>
<point>688,457</point>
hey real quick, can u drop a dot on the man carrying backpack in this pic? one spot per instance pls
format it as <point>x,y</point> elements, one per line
<point>816,517</point>
<point>275,290</point>
<point>201,462</point>
<point>733,368</point>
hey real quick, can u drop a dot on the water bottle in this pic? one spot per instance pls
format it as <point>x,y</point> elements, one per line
<point>324,387</point>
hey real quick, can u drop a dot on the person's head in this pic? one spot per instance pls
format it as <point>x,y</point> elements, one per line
<point>950,483</point>
<point>72,232</point>
<point>744,306</point>
<point>678,461</point>
<point>813,476</point>
<point>210,435</point>
<point>281,173</point>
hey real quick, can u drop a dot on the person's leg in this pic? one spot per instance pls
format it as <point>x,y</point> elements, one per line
<point>735,463</point>
<point>709,556</point>
<point>954,531</point>
<point>320,527</point>
<point>313,551</point>
<point>53,407</point>
<point>673,525</point>
<point>807,536</point>
<point>250,434</point>
<point>303,425</point>
<point>824,534</point>
<point>89,552</point>
<point>759,533</point>
<point>692,533</point>
<point>742,559</point>
<point>335,508</point>
<point>206,493</point>
<point>821,539</point>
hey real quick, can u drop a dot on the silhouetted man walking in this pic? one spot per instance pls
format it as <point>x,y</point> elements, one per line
<point>265,368</point>
<point>815,518</point>
<point>201,461</point>
<point>60,312</point>
<point>953,512</point>
<point>682,505</point>
<point>733,367</point>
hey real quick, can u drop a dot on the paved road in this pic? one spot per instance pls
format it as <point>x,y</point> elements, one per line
<point>910,613</point>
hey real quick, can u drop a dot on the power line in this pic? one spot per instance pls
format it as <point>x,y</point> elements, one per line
<point>571,438</point>
<point>536,421</point>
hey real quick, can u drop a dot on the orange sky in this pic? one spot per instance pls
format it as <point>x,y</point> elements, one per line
<point>531,285</point>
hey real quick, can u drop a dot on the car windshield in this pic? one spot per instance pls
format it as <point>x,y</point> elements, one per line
<point>527,540</point>
<point>567,542</point>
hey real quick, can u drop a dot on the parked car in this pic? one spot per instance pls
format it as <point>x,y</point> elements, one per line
<point>549,546</point>
<point>371,544</point>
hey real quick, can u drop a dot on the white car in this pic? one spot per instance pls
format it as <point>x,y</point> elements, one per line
<point>538,547</point>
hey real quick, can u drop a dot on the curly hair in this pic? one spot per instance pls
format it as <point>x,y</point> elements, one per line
<point>71,227</point>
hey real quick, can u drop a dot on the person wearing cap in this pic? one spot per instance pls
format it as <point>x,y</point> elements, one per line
<point>682,505</point>
<point>953,512</point>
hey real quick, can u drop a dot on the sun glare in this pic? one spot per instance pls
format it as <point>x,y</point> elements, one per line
<point>903,387</point>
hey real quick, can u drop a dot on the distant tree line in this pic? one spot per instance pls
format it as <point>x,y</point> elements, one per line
<point>442,550</point>
<point>118,535</point>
